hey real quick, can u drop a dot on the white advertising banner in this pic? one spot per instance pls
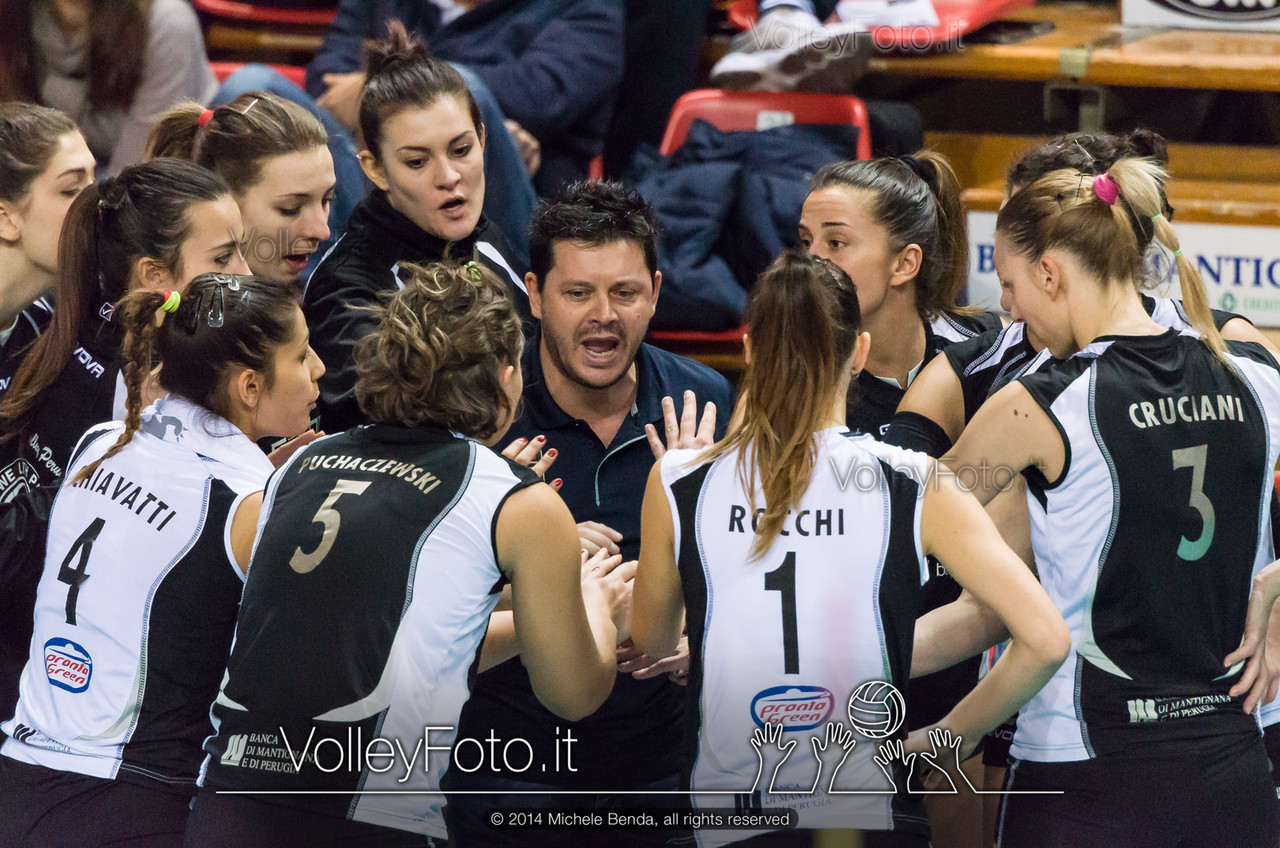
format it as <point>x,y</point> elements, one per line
<point>1240,266</point>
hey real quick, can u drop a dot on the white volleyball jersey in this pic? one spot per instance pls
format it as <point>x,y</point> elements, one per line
<point>1148,541</point>
<point>788,638</point>
<point>370,589</point>
<point>137,603</point>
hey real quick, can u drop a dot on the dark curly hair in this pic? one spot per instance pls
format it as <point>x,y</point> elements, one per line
<point>594,213</point>
<point>437,357</point>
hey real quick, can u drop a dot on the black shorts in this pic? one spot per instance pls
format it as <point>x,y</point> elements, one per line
<point>996,744</point>
<point>1220,798</point>
<point>239,821</point>
<point>61,809</point>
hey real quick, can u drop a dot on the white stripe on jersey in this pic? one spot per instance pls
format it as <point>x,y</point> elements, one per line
<point>836,545</point>
<point>945,327</point>
<point>439,635</point>
<point>82,721</point>
<point>492,252</point>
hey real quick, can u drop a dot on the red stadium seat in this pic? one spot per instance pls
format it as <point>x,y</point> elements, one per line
<point>752,110</point>
<point>296,74</point>
<point>748,110</point>
<point>255,14</point>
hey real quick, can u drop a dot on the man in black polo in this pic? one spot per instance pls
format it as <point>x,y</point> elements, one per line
<point>590,387</point>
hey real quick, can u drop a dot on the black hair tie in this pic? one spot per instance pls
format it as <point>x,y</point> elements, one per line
<point>913,163</point>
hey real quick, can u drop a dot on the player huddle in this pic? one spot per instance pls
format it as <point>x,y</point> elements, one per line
<point>382,634</point>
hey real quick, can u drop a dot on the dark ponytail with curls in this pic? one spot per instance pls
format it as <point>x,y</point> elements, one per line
<point>136,312</point>
<point>402,75</point>
<point>201,356</point>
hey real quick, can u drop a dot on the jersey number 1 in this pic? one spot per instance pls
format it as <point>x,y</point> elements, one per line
<point>1195,458</point>
<point>328,516</point>
<point>783,580</point>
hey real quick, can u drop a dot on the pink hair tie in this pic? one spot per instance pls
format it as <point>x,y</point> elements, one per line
<point>1106,189</point>
<point>203,120</point>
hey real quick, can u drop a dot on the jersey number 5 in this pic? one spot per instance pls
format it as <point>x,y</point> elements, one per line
<point>329,517</point>
<point>1194,458</point>
<point>783,581</point>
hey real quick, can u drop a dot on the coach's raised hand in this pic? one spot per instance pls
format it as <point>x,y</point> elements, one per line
<point>688,432</point>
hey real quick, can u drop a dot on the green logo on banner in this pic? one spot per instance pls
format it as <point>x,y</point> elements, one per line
<point>1227,302</point>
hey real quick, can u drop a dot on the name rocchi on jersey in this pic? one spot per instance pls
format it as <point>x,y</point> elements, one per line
<point>422,479</point>
<point>125,493</point>
<point>808,522</point>
<point>1188,408</point>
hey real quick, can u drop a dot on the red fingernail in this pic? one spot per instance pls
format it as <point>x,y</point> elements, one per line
<point>541,439</point>
<point>551,452</point>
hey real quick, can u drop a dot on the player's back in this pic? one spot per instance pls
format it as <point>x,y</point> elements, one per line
<point>1149,538</point>
<point>369,592</point>
<point>788,637</point>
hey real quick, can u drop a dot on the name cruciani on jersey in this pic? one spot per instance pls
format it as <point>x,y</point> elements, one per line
<point>1189,408</point>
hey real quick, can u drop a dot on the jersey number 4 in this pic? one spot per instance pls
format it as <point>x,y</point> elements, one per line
<point>1195,458</point>
<point>73,577</point>
<point>328,516</point>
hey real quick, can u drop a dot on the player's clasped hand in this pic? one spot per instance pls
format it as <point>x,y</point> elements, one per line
<point>687,432</point>
<point>608,572</point>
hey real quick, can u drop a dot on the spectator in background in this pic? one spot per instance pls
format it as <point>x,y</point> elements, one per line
<point>44,163</point>
<point>789,49</point>
<point>552,65</point>
<point>114,66</point>
<point>426,153</point>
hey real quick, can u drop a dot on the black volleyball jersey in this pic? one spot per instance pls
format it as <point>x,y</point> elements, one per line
<point>137,603</point>
<point>988,363</point>
<point>1148,540</point>
<point>873,401</point>
<point>372,580</point>
<point>19,473</point>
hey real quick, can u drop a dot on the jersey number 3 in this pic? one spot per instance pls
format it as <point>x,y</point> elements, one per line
<point>1194,458</point>
<point>329,517</point>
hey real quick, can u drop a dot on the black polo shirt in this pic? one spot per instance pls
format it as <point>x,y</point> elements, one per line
<point>634,738</point>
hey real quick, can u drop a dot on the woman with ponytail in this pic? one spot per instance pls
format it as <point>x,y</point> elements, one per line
<point>895,225</point>
<point>791,502</point>
<point>1149,457</point>
<point>154,227</point>
<point>137,603</point>
<point>273,154</point>
<point>424,152</point>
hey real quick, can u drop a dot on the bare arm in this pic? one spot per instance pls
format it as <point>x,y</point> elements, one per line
<point>1240,330</point>
<point>563,624</point>
<point>956,530</point>
<point>657,603</point>
<point>936,394</point>
<point>1010,433</point>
